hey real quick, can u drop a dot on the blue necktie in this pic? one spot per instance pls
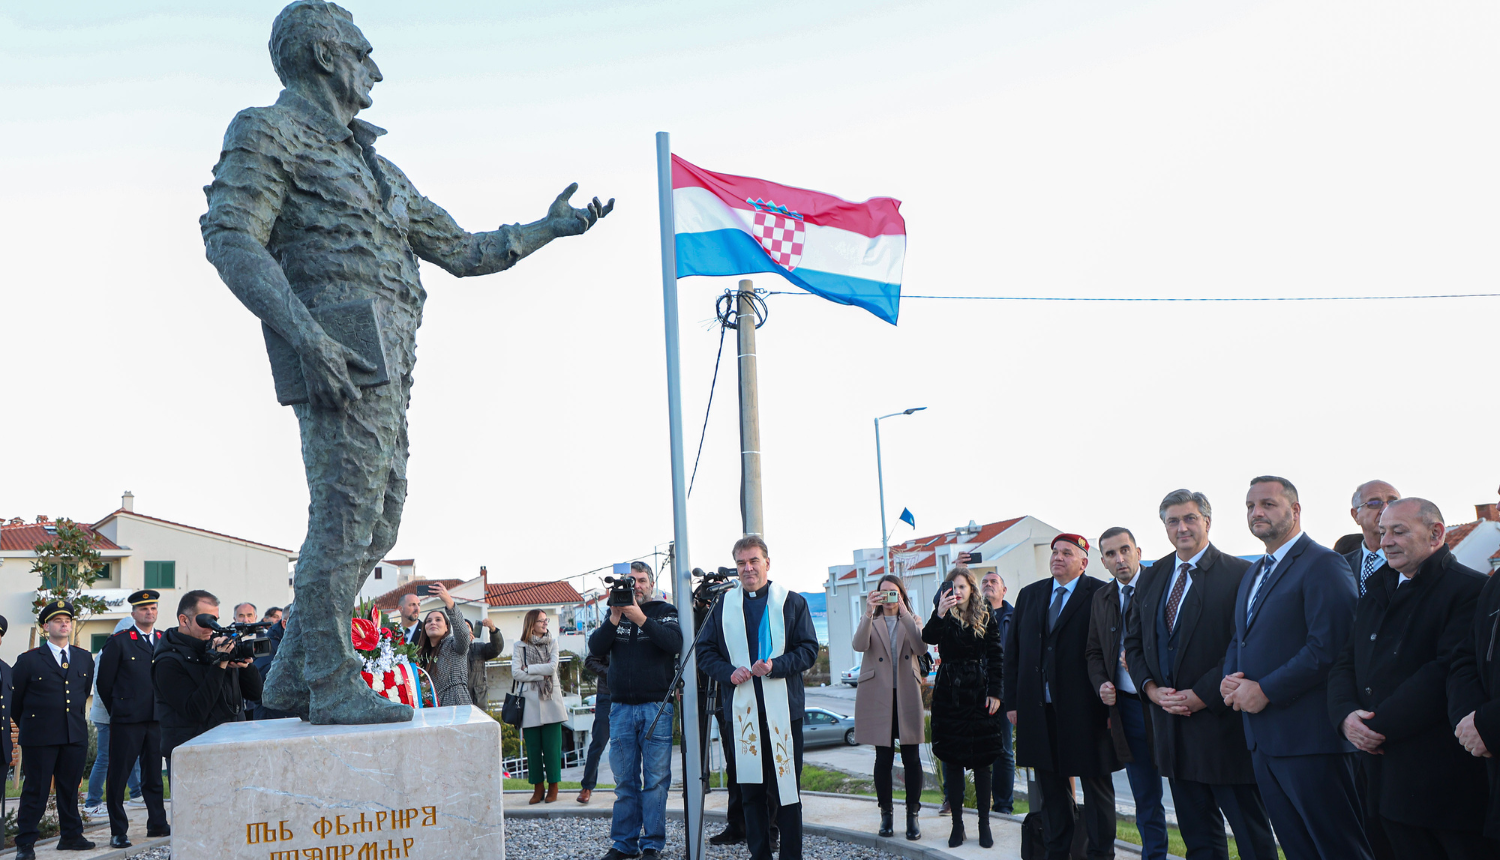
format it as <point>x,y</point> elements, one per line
<point>1058,595</point>
<point>1266,563</point>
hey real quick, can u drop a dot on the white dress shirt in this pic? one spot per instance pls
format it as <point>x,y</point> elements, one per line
<point>1279,555</point>
<point>59,656</point>
<point>1177,571</point>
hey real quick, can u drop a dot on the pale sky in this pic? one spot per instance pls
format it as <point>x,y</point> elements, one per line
<point>1040,149</point>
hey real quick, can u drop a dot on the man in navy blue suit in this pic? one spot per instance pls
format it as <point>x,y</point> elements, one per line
<point>1292,616</point>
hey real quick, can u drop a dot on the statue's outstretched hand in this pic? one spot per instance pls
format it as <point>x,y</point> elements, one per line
<point>567,221</point>
<point>325,370</point>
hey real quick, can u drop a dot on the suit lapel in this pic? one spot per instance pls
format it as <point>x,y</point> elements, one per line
<point>1281,570</point>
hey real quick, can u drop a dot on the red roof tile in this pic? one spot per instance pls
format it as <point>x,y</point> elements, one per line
<point>932,542</point>
<point>23,537</point>
<point>123,512</point>
<point>399,562</point>
<point>1456,535</point>
<point>391,600</point>
<point>531,594</point>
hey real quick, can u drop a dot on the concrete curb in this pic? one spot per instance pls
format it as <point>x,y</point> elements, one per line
<point>135,848</point>
<point>52,840</point>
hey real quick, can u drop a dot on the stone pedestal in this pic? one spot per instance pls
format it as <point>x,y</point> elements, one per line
<point>429,789</point>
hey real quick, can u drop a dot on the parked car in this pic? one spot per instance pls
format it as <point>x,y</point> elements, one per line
<point>850,675</point>
<point>823,728</point>
<point>588,702</point>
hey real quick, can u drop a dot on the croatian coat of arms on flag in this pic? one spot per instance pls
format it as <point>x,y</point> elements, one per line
<point>781,232</point>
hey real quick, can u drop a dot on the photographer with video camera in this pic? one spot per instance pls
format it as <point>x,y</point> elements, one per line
<point>202,675</point>
<point>642,638</point>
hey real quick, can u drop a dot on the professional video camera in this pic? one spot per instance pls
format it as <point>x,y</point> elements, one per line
<point>711,585</point>
<point>621,590</point>
<point>250,639</point>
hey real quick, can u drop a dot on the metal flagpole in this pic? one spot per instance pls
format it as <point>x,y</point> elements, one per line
<point>682,576</point>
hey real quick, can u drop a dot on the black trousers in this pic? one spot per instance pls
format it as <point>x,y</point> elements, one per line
<point>759,796</point>
<point>1425,843</point>
<point>40,767</point>
<point>1099,820</point>
<point>129,742</point>
<point>911,765</point>
<point>1202,809</point>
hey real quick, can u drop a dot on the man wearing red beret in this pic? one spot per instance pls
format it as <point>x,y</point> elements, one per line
<point>1062,728</point>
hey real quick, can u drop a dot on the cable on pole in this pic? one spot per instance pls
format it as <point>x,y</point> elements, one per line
<point>1180,298</point>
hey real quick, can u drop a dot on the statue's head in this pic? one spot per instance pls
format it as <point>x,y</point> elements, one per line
<point>313,40</point>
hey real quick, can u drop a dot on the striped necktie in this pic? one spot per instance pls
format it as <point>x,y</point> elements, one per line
<point>1266,563</point>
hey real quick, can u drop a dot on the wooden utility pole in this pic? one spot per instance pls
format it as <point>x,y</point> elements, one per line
<point>745,320</point>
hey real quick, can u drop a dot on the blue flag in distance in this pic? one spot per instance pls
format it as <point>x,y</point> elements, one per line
<point>907,518</point>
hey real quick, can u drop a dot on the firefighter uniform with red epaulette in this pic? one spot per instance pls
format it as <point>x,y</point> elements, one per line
<point>134,733</point>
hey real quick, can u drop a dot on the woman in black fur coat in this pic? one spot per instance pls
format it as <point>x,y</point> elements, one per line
<point>966,699</point>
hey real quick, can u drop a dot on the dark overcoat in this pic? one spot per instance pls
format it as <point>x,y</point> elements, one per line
<point>1207,746</point>
<point>1083,746</point>
<point>964,732</point>
<point>1106,635</point>
<point>1474,688</point>
<point>1396,664</point>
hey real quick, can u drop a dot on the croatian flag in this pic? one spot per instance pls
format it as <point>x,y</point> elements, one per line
<point>850,253</point>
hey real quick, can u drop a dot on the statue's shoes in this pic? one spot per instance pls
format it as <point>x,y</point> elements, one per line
<point>350,702</point>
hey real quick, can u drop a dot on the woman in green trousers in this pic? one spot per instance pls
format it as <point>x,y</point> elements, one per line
<point>534,664</point>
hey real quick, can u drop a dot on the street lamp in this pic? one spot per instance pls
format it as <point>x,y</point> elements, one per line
<point>885,549</point>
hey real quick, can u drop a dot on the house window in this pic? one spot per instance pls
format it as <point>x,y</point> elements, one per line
<point>49,579</point>
<point>161,574</point>
<point>104,572</point>
<point>96,642</point>
<point>378,573</point>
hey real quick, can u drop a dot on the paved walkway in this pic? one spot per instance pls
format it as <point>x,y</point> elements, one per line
<point>841,817</point>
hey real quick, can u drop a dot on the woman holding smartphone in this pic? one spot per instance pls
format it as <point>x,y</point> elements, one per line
<point>966,698</point>
<point>888,701</point>
<point>443,651</point>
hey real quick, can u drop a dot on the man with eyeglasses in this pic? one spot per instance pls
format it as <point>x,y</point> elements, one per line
<point>1369,501</point>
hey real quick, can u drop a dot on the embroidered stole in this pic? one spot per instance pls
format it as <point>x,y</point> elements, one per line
<point>749,747</point>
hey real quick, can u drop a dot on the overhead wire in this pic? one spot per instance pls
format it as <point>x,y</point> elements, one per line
<point>1178,298</point>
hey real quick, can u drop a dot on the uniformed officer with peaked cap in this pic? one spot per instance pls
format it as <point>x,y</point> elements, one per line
<point>51,689</point>
<point>134,733</point>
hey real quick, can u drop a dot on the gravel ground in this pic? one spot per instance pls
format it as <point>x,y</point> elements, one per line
<point>588,839</point>
<point>162,853</point>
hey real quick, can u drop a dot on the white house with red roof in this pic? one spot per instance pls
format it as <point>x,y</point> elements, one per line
<point>388,574</point>
<point>1477,544</point>
<point>141,551</point>
<point>1018,549</point>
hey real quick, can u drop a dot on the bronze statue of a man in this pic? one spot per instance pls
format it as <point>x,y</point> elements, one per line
<point>320,237</point>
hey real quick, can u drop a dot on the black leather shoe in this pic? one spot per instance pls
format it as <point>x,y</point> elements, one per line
<point>617,854</point>
<point>165,831</point>
<point>913,832</point>
<point>727,836</point>
<point>650,854</point>
<point>25,854</point>
<point>78,844</point>
<point>119,842</point>
<point>887,828</point>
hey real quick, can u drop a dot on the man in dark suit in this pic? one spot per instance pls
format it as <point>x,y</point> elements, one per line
<point>51,690</point>
<point>1388,691</point>
<point>1369,501</point>
<point>1180,625</point>
<point>1061,726</point>
<point>134,734</point>
<point>1293,612</point>
<point>1127,714</point>
<point>1003,778</point>
<point>7,676</point>
<point>1474,695</point>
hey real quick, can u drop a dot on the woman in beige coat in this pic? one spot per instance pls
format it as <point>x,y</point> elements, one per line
<point>534,664</point>
<point>888,706</point>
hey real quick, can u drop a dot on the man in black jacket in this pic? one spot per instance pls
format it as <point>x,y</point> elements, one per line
<point>1474,695</point>
<point>1180,625</point>
<point>6,678</point>
<point>599,734</point>
<point>1370,499</point>
<point>196,691</point>
<point>54,732</point>
<point>1061,726</point>
<point>1388,691</point>
<point>754,678</point>
<point>642,641</point>
<point>134,734</point>
<point>1003,772</point>
<point>1129,725</point>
